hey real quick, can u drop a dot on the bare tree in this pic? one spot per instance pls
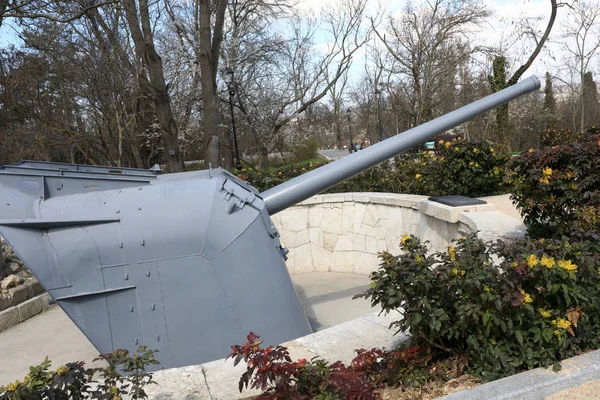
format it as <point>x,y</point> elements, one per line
<point>137,14</point>
<point>425,45</point>
<point>580,30</point>
<point>499,79</point>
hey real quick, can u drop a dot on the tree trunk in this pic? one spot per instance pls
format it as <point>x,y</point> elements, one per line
<point>144,46</point>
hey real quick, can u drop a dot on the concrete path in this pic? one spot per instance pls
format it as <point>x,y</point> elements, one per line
<point>326,297</point>
<point>334,154</point>
<point>505,205</point>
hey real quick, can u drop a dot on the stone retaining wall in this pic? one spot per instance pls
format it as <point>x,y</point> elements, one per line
<point>345,232</point>
<point>19,291</point>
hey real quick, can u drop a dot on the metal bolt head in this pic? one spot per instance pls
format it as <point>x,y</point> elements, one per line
<point>143,242</point>
<point>126,277</point>
<point>135,341</point>
<point>152,306</point>
<point>157,338</point>
<point>130,308</point>
<point>148,273</point>
<point>121,244</point>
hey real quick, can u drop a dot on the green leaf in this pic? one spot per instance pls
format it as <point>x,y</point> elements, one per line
<point>519,337</point>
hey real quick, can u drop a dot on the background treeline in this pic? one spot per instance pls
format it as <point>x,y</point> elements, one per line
<point>133,83</point>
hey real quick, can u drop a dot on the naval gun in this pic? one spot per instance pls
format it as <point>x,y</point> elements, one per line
<point>184,263</point>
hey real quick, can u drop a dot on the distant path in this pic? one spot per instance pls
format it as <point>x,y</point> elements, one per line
<point>333,154</point>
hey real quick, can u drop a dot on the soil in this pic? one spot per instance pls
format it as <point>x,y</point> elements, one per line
<point>433,391</point>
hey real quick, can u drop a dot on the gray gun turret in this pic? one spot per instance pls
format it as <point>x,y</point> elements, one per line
<point>184,263</point>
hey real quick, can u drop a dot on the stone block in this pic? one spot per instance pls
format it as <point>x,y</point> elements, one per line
<point>10,282</point>
<point>222,378</point>
<point>8,318</point>
<point>371,244</point>
<point>315,216</point>
<point>344,244</point>
<point>290,263</point>
<point>288,238</point>
<point>15,267</point>
<point>47,301</point>
<point>359,213</point>
<point>382,246</point>
<point>365,263</point>
<point>333,198</point>
<point>3,303</point>
<point>302,238</point>
<point>303,259</point>
<point>297,351</point>
<point>17,295</point>
<point>312,201</point>
<point>38,288</point>
<point>332,221</point>
<point>330,240</point>
<point>321,258</point>
<point>348,217</point>
<point>371,216</point>
<point>340,341</point>
<point>316,236</point>
<point>343,261</point>
<point>295,219</point>
<point>186,383</point>
<point>29,308</point>
<point>359,242</point>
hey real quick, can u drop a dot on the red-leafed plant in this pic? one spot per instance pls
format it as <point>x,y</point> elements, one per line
<point>272,371</point>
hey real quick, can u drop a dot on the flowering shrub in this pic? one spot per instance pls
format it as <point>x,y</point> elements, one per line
<point>540,305</point>
<point>73,381</point>
<point>558,189</point>
<point>463,168</point>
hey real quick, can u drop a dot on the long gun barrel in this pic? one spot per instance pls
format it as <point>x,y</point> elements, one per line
<point>301,188</point>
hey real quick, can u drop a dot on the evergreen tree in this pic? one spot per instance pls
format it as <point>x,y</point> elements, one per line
<point>549,100</point>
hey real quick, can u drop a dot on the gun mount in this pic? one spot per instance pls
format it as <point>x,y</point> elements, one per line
<point>184,263</point>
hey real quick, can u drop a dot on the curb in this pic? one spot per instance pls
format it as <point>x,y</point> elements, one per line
<point>23,311</point>
<point>536,384</point>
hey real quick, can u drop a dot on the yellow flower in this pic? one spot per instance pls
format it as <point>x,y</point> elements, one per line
<point>405,239</point>
<point>62,370</point>
<point>557,332</point>
<point>514,264</point>
<point>544,313</point>
<point>452,253</point>
<point>547,171</point>
<point>441,142</point>
<point>598,270</point>
<point>11,387</point>
<point>470,163</point>
<point>448,144</point>
<point>527,298</point>
<point>544,180</point>
<point>475,150</point>
<point>492,341</point>
<point>532,261</point>
<point>476,165</point>
<point>457,149</point>
<point>454,271</point>
<point>561,323</point>
<point>547,262</point>
<point>567,265</point>
<point>569,175</point>
<point>492,150</point>
<point>280,173</point>
<point>486,288</point>
<point>419,259</point>
<point>418,176</point>
<point>531,150</point>
<point>303,169</point>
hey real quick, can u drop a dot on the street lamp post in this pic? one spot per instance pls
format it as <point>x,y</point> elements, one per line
<point>378,98</point>
<point>228,78</point>
<point>350,131</point>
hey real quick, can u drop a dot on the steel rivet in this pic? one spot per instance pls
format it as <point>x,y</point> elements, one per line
<point>126,276</point>
<point>152,306</point>
<point>135,341</point>
<point>157,337</point>
<point>121,244</point>
<point>148,273</point>
<point>139,208</point>
<point>143,242</point>
<point>118,211</point>
<point>140,189</point>
<point>130,308</point>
